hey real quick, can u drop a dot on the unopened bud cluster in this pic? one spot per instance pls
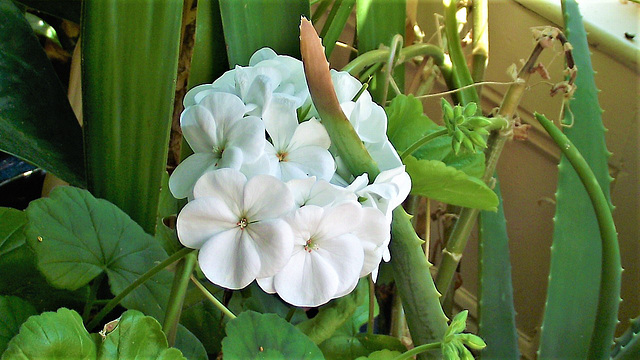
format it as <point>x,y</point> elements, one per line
<point>467,129</point>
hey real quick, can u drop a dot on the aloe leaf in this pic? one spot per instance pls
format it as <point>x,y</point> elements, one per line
<point>130,57</point>
<point>14,311</point>
<point>377,21</point>
<point>209,59</point>
<point>251,25</point>
<point>77,237</point>
<point>628,345</point>
<point>574,278</point>
<point>497,323</point>
<point>36,120</point>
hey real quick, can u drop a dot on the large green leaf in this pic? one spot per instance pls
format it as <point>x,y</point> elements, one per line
<point>14,311</point>
<point>17,258</point>
<point>266,336</point>
<point>137,337</point>
<point>343,347</point>
<point>52,335</point>
<point>250,25</point>
<point>497,316</point>
<point>36,120</point>
<point>189,344</point>
<point>435,180</point>
<point>76,237</point>
<point>576,256</point>
<point>204,320</point>
<point>130,57</point>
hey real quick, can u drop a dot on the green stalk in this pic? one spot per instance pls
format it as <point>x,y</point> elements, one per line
<point>418,349</point>
<point>93,292</point>
<point>463,77</point>
<point>129,62</point>
<point>139,281</point>
<point>372,300</point>
<point>480,52</point>
<point>176,298</point>
<point>320,10</point>
<point>213,299</point>
<point>372,57</point>
<point>418,144</point>
<point>611,271</point>
<point>337,24</point>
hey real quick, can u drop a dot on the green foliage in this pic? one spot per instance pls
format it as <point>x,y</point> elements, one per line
<point>246,28</point>
<point>36,121</point>
<point>130,56</point>
<point>14,311</point>
<point>574,277</point>
<point>497,316</point>
<point>266,336</point>
<point>334,24</point>
<point>381,355</point>
<point>52,335</point>
<point>189,344</point>
<point>76,237</point>
<point>68,9</point>
<point>628,345</point>
<point>205,321</point>
<point>433,179</point>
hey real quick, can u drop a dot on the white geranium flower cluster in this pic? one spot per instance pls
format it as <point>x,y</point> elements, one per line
<point>268,200</point>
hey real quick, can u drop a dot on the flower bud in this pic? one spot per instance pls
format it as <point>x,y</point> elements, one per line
<point>447,110</point>
<point>473,341</point>
<point>470,109</point>
<point>457,111</point>
<point>477,122</point>
<point>459,322</point>
<point>477,139</point>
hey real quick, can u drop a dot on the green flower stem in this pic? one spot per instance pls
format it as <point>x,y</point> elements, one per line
<point>418,144</point>
<point>609,298</point>
<point>480,52</point>
<point>379,56</point>
<point>462,76</point>
<point>370,71</point>
<point>457,241</point>
<point>419,349</point>
<point>92,297</point>
<point>139,281</point>
<point>396,44</point>
<point>372,299</point>
<point>212,298</point>
<point>176,298</point>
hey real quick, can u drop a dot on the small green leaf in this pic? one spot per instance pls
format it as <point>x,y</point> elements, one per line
<point>266,336</point>
<point>52,335</point>
<point>76,237</point>
<point>381,355</point>
<point>36,121</point>
<point>137,337</point>
<point>204,320</point>
<point>343,347</point>
<point>14,311</point>
<point>435,180</point>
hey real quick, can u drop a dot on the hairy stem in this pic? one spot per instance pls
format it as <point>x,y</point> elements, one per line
<point>212,298</point>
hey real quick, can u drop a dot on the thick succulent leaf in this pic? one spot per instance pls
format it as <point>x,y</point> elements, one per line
<point>52,335</point>
<point>253,335</point>
<point>628,344</point>
<point>137,336</point>
<point>129,61</point>
<point>76,237</point>
<point>576,256</point>
<point>435,180</point>
<point>36,120</point>
<point>497,320</point>
<point>14,311</point>
<point>251,25</point>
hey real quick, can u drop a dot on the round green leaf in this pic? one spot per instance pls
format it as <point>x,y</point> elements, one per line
<point>137,336</point>
<point>381,355</point>
<point>76,237</point>
<point>14,311</point>
<point>435,180</point>
<point>266,336</point>
<point>52,335</point>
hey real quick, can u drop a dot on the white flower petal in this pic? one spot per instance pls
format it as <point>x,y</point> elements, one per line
<point>203,218</point>
<point>266,197</point>
<point>384,154</point>
<point>346,86</point>
<point>225,108</point>
<point>281,122</point>
<point>230,259</point>
<point>307,280</point>
<point>374,232</point>
<point>314,161</point>
<point>232,157</point>
<point>186,174</point>
<point>189,97</point>
<point>301,189</point>
<point>199,128</point>
<point>266,284</point>
<point>248,135</point>
<point>371,122</point>
<point>262,54</point>
<point>310,132</point>
<point>345,254</point>
<point>262,166</point>
<point>273,239</point>
<point>340,219</point>
<point>225,184</point>
<point>288,171</point>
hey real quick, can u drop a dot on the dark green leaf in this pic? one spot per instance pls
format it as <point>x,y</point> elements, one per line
<point>76,237</point>
<point>52,335</point>
<point>381,355</point>
<point>251,25</point>
<point>137,337</point>
<point>14,311</point>
<point>36,121</point>
<point>266,336</point>
<point>68,9</point>
<point>254,298</point>
<point>130,56</point>
<point>435,180</point>
<point>189,345</point>
<point>343,347</point>
<point>205,321</point>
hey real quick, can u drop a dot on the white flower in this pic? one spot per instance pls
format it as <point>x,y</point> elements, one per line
<point>298,150</point>
<point>389,189</point>
<point>327,258</point>
<point>219,136</point>
<point>321,193</point>
<point>237,226</point>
